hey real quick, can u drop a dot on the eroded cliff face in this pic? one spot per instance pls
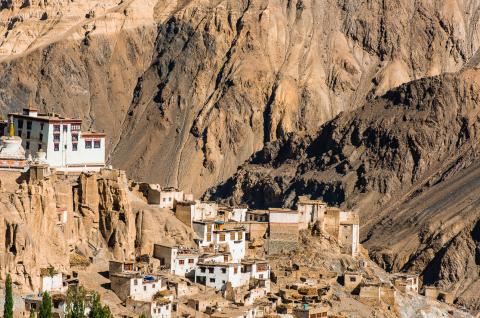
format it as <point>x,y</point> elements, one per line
<point>193,88</point>
<point>47,222</point>
<point>407,160</point>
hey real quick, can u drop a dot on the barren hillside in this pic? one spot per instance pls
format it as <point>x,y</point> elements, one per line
<point>188,90</point>
<point>407,160</point>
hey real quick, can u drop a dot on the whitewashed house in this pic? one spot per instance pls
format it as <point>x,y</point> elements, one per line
<point>51,281</point>
<point>217,275</point>
<point>67,147</point>
<point>135,286</point>
<point>179,260</point>
<point>160,306</point>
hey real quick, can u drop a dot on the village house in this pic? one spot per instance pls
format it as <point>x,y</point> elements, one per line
<point>345,227</point>
<point>310,211</point>
<point>283,230</point>
<point>67,147</point>
<point>235,312</point>
<point>59,304</point>
<point>217,275</point>
<point>437,294</point>
<point>165,198</point>
<point>115,267</point>
<point>51,281</point>
<point>215,234</point>
<point>189,211</point>
<point>256,216</point>
<point>238,214</point>
<point>160,306</point>
<point>307,311</point>
<point>352,280</point>
<point>207,302</point>
<point>179,260</point>
<point>136,286</point>
<point>182,287</point>
<point>406,283</point>
<point>374,293</point>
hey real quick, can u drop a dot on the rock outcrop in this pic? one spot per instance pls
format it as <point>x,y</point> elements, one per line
<point>193,88</point>
<point>407,160</point>
<point>96,213</point>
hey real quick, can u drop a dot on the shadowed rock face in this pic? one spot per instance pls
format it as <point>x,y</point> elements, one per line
<point>407,160</point>
<point>188,90</point>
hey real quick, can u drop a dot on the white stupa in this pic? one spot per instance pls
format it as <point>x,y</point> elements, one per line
<point>12,154</point>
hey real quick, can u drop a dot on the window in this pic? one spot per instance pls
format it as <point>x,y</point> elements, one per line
<point>190,261</point>
<point>75,127</point>
<point>169,199</point>
<point>56,128</point>
<point>153,286</point>
<point>20,124</point>
<point>56,137</point>
<point>29,125</point>
<point>232,236</point>
<point>164,199</point>
<point>235,270</point>
<point>88,144</point>
<point>202,269</point>
<point>28,135</point>
<point>39,146</point>
<point>224,270</point>
<point>353,278</point>
<point>74,146</point>
<point>212,280</point>
<point>222,237</point>
<point>96,144</point>
<point>210,270</point>
<point>56,147</point>
<point>135,282</point>
<point>40,137</point>
<point>65,128</point>
<point>27,145</point>
<point>181,262</point>
<point>41,126</point>
<point>144,288</point>
<point>74,137</point>
<point>20,133</point>
<point>209,237</point>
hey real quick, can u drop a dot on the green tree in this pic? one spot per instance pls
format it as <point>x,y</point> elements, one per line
<point>143,316</point>
<point>99,310</point>
<point>46,307</point>
<point>76,302</point>
<point>32,313</point>
<point>8,308</point>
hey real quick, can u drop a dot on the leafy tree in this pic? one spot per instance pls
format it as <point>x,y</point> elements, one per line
<point>76,302</point>
<point>32,313</point>
<point>99,310</point>
<point>46,307</point>
<point>8,308</point>
<point>143,316</point>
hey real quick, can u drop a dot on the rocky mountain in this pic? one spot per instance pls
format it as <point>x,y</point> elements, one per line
<point>407,160</point>
<point>193,88</point>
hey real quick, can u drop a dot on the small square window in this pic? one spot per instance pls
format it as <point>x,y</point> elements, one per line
<point>96,144</point>
<point>190,261</point>
<point>144,288</point>
<point>20,133</point>
<point>56,128</point>
<point>20,124</point>
<point>181,262</point>
<point>41,126</point>
<point>210,270</point>
<point>212,280</point>
<point>65,128</point>
<point>224,270</point>
<point>88,144</point>
<point>27,145</point>
<point>29,125</point>
<point>39,147</point>
<point>40,137</point>
<point>28,135</point>
<point>74,147</point>
<point>56,147</point>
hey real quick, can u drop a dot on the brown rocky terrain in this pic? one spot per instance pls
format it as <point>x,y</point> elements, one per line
<point>193,88</point>
<point>104,217</point>
<point>407,160</point>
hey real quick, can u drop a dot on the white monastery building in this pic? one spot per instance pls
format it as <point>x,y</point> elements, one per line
<point>180,261</point>
<point>67,148</point>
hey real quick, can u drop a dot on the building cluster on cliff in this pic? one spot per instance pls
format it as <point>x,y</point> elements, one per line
<point>239,265</point>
